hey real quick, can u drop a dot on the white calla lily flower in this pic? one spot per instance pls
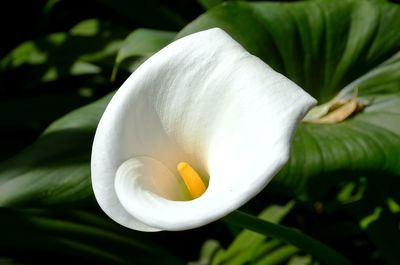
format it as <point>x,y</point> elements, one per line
<point>194,133</point>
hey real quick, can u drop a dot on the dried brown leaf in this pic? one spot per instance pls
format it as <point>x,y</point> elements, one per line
<point>335,111</point>
<point>339,114</point>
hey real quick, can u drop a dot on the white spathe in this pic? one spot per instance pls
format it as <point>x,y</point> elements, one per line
<point>204,100</point>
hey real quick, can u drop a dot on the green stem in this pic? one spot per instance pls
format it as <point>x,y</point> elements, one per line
<point>290,236</point>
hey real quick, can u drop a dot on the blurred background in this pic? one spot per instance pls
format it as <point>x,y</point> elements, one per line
<point>42,81</point>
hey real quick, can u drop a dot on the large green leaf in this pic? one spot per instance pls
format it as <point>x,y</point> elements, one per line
<point>56,168</point>
<point>321,45</point>
<point>71,236</point>
<point>329,48</point>
<point>141,43</point>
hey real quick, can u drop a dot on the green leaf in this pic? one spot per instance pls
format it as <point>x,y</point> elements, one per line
<point>23,119</point>
<point>77,235</point>
<point>369,141</point>
<point>248,246</point>
<point>374,216</point>
<point>142,43</point>
<point>278,256</point>
<point>56,168</point>
<point>300,260</point>
<point>293,237</point>
<point>329,48</point>
<point>245,245</point>
<point>209,250</point>
<point>88,48</point>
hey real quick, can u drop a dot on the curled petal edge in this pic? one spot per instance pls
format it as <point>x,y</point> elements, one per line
<point>205,100</point>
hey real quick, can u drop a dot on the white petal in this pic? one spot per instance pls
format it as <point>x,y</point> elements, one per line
<point>203,100</point>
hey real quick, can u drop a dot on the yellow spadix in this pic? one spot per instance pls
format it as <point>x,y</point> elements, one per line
<point>192,180</point>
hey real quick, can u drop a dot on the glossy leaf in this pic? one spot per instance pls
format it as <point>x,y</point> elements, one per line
<point>55,169</point>
<point>246,244</point>
<point>249,247</point>
<point>142,43</point>
<point>292,237</point>
<point>329,48</point>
